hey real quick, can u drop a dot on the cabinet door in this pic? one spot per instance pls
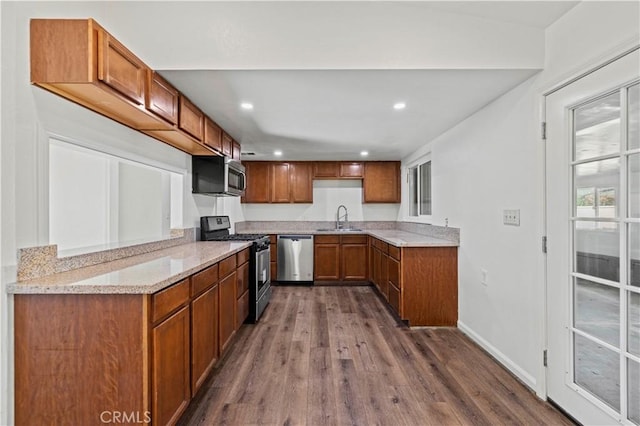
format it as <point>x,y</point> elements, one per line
<point>351,170</point>
<point>204,336</point>
<point>326,169</point>
<point>301,178</point>
<point>191,119</point>
<point>354,262</point>
<point>162,98</point>
<point>377,257</point>
<point>212,134</point>
<point>227,144</point>
<point>381,182</point>
<point>171,390</point>
<point>280,192</point>
<point>236,148</point>
<point>258,182</point>
<point>384,275</point>
<point>394,299</point>
<point>227,314</point>
<point>242,309</point>
<point>121,69</point>
<point>242,280</point>
<point>326,262</point>
<point>394,272</point>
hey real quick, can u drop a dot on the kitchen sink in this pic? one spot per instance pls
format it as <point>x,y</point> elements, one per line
<point>339,230</point>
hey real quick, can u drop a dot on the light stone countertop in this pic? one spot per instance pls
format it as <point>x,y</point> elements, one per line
<point>394,237</point>
<point>142,274</point>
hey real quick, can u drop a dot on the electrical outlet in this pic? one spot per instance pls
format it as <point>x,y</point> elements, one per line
<point>511,217</point>
<point>483,276</point>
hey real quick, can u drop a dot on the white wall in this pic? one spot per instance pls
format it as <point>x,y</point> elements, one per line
<point>327,196</point>
<point>494,161</point>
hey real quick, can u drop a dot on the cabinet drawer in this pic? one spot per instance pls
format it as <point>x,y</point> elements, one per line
<point>354,239</point>
<point>327,239</point>
<point>243,256</point>
<point>227,266</point>
<point>381,245</point>
<point>394,252</point>
<point>394,298</point>
<point>168,300</point>
<point>204,279</point>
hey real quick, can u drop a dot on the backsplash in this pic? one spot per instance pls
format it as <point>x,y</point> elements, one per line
<point>445,233</point>
<point>36,262</point>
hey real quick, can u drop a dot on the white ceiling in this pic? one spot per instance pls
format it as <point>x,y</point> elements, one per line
<point>336,114</point>
<point>323,76</point>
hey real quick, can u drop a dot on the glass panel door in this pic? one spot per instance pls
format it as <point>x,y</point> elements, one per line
<point>604,250</point>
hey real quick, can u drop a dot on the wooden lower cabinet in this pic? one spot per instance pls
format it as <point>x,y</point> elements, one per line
<point>242,293</point>
<point>145,355</point>
<point>326,261</point>
<point>340,258</point>
<point>420,283</point>
<point>204,336</point>
<point>227,325</point>
<point>171,380</point>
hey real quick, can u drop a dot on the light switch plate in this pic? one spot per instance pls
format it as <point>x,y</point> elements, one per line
<point>511,217</point>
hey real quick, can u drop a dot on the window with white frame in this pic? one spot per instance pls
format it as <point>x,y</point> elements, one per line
<point>420,203</point>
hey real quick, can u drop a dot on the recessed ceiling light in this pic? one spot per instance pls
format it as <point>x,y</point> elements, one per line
<point>246,105</point>
<point>399,105</point>
<point>277,153</point>
<point>364,153</point>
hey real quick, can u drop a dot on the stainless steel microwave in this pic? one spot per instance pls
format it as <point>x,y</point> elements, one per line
<point>218,176</point>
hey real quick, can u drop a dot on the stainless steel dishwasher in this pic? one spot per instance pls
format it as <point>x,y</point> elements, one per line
<point>295,258</point>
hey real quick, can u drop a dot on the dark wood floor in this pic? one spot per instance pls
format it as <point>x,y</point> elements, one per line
<point>336,356</point>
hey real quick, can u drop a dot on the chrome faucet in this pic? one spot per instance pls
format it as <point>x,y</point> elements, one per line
<point>338,217</point>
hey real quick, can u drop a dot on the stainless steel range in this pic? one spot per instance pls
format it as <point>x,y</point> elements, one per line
<point>216,228</point>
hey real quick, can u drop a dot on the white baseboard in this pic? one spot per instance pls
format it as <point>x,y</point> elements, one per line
<point>514,368</point>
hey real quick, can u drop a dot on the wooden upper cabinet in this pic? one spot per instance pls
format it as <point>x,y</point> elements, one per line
<point>280,189</point>
<point>381,182</point>
<point>212,134</point>
<point>301,180</point>
<point>121,69</point>
<point>351,170</point>
<point>236,148</point>
<point>191,118</point>
<point>227,144</point>
<point>162,98</point>
<point>326,169</point>
<point>80,61</point>
<point>258,182</point>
